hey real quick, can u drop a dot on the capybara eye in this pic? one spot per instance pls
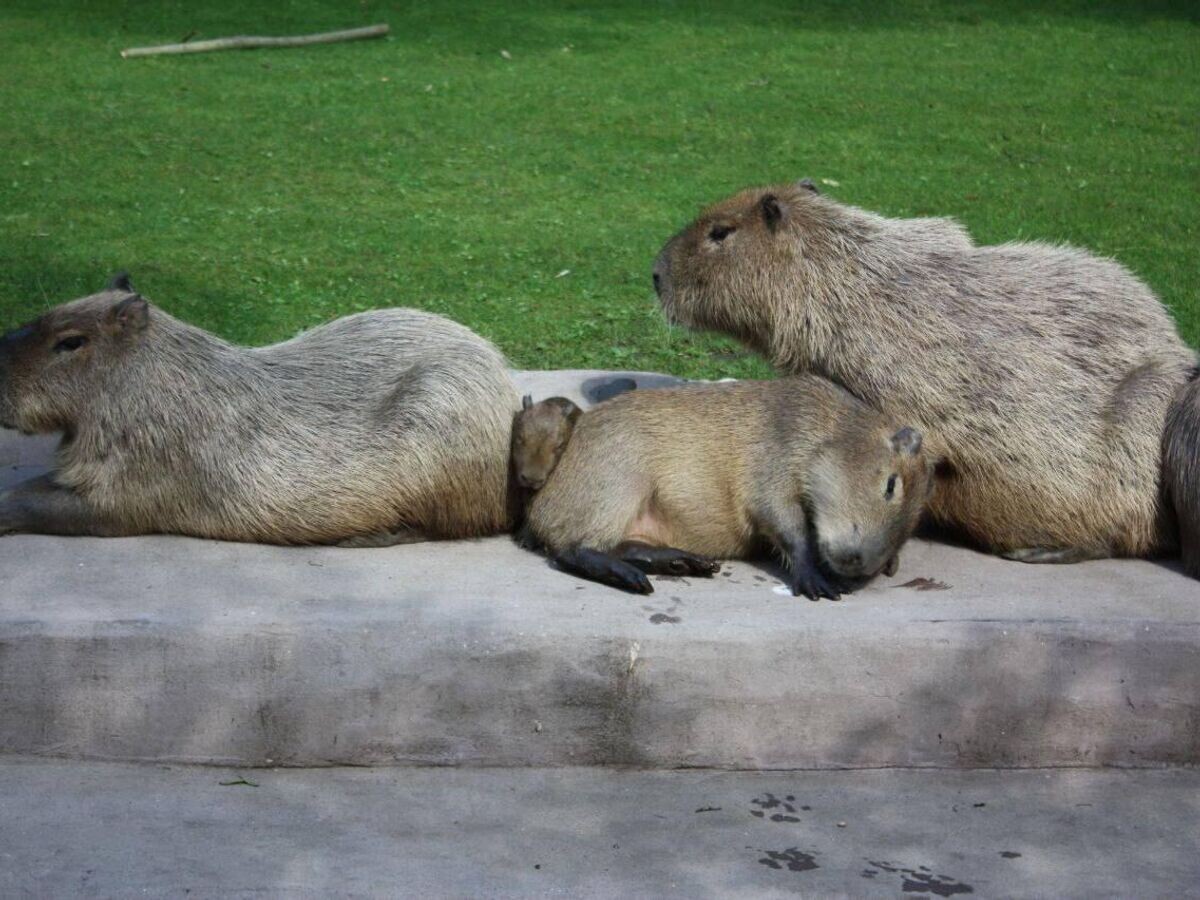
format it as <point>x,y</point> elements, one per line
<point>71,343</point>
<point>891,487</point>
<point>720,232</point>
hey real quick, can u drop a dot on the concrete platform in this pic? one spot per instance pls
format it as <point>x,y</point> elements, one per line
<point>478,653</point>
<point>117,830</point>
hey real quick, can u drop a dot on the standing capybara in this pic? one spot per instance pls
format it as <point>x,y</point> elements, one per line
<point>664,481</point>
<point>378,428</point>
<point>1041,375</point>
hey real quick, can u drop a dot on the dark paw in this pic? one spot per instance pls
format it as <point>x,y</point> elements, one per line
<point>633,580</point>
<point>812,584</point>
<point>667,561</point>
<point>698,566</point>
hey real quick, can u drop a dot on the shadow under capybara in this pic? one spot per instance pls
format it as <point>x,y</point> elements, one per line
<point>665,481</point>
<point>1041,375</point>
<point>377,428</point>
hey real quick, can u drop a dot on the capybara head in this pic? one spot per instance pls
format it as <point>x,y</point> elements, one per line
<point>867,497</point>
<point>724,271</point>
<point>540,435</point>
<point>49,367</point>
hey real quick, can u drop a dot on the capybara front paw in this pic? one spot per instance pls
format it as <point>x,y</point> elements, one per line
<point>633,580</point>
<point>811,583</point>
<point>697,566</point>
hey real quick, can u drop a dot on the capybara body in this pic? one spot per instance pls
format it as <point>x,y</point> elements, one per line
<point>730,470</point>
<point>1040,375</point>
<point>377,428</point>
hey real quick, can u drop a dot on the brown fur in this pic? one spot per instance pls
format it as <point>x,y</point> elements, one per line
<point>719,469</point>
<point>1041,374</point>
<point>539,437</point>
<point>377,428</point>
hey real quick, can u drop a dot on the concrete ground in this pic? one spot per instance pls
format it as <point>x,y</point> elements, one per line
<point>172,649</point>
<point>120,830</point>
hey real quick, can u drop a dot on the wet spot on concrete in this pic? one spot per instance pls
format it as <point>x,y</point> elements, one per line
<point>664,619</point>
<point>768,801</point>
<point>709,809</point>
<point>1010,854</point>
<point>979,805</point>
<point>793,859</point>
<point>597,390</point>
<point>925,584</point>
<point>921,880</point>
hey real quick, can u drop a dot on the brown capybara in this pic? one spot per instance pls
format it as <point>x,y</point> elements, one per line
<point>378,428</point>
<point>1041,375</point>
<point>665,481</point>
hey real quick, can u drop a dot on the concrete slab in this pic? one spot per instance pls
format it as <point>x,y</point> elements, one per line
<point>117,830</point>
<point>167,648</point>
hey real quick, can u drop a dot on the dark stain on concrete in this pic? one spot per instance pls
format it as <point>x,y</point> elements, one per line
<point>921,880</point>
<point>663,618</point>
<point>1010,854</point>
<point>769,801</point>
<point>925,584</point>
<point>793,859</point>
<point>709,809</point>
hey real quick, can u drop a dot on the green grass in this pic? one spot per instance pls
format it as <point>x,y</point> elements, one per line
<point>258,193</point>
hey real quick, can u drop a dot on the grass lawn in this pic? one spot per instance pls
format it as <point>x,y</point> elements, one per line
<point>259,193</point>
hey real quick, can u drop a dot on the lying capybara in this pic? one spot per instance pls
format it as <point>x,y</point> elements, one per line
<point>1041,375</point>
<point>378,428</point>
<point>666,481</point>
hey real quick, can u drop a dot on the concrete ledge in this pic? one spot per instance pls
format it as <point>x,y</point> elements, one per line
<point>166,648</point>
<point>117,830</point>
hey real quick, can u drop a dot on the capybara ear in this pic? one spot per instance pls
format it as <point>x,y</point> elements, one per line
<point>892,565</point>
<point>568,406</point>
<point>130,315</point>
<point>120,282</point>
<point>772,212</point>
<point>527,401</point>
<point>809,185</point>
<point>907,441</point>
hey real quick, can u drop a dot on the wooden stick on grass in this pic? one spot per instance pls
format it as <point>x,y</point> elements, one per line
<point>243,41</point>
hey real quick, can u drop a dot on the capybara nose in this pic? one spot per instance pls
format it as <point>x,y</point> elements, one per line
<point>658,284</point>
<point>848,561</point>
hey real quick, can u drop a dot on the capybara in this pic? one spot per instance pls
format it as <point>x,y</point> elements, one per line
<point>377,428</point>
<point>666,481</point>
<point>1041,375</point>
<point>539,437</point>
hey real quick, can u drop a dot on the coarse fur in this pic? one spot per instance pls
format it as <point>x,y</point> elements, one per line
<point>726,470</point>
<point>377,428</point>
<point>1041,375</point>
